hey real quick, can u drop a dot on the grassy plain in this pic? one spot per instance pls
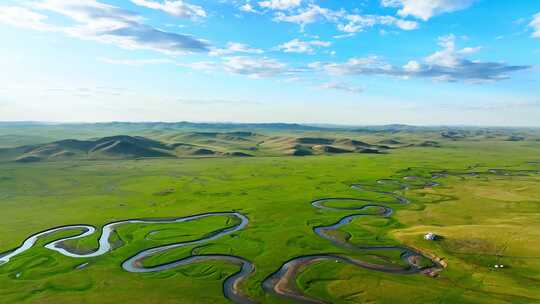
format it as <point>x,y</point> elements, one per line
<point>484,220</point>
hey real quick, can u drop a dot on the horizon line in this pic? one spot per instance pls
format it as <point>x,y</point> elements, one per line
<point>320,125</point>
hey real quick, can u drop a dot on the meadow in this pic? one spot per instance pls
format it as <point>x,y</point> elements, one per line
<point>484,218</point>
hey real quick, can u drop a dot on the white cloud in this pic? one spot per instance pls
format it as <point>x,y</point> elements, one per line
<point>248,8</point>
<point>425,9</point>
<point>412,66</point>
<point>308,15</point>
<point>347,23</point>
<point>93,20</point>
<point>469,50</point>
<point>360,65</point>
<point>357,23</point>
<point>449,56</point>
<point>235,47</point>
<point>446,57</point>
<point>88,11</point>
<point>280,4</point>
<point>405,24</point>
<point>177,8</point>
<point>302,47</point>
<point>341,87</point>
<point>448,64</point>
<point>254,67</point>
<point>535,25</point>
<point>24,18</point>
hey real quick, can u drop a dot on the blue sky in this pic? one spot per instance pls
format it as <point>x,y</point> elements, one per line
<point>425,62</point>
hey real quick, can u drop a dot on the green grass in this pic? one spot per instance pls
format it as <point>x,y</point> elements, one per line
<point>484,220</point>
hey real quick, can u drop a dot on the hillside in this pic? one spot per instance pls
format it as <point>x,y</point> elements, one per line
<point>188,144</point>
<point>114,147</point>
<point>302,146</point>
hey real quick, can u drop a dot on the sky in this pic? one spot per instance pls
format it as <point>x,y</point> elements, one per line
<point>355,62</point>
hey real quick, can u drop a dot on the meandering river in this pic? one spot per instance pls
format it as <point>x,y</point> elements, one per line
<point>282,282</point>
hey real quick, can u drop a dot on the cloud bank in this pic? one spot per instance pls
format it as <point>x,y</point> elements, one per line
<point>94,20</point>
<point>449,64</point>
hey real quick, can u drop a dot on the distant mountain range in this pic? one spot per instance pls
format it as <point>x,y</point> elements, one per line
<point>276,126</point>
<point>171,125</point>
<point>190,144</point>
<point>34,142</point>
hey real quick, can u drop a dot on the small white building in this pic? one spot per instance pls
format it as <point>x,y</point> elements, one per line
<point>430,236</point>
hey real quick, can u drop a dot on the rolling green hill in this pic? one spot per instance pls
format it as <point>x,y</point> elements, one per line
<point>190,144</point>
<point>116,147</point>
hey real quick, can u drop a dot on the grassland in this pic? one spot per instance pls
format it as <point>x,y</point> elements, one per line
<point>484,220</point>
